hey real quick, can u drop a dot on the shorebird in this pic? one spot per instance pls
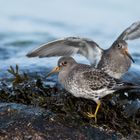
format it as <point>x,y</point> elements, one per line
<point>87,82</point>
<point>115,60</point>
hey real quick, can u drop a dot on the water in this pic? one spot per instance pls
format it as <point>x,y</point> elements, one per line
<point>25,25</point>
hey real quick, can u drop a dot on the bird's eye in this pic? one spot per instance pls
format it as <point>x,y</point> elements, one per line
<point>119,46</point>
<point>65,62</point>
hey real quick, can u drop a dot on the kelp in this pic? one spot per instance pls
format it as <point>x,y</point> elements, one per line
<point>67,109</point>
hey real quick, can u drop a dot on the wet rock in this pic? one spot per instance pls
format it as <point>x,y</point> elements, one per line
<point>50,112</point>
<point>20,122</point>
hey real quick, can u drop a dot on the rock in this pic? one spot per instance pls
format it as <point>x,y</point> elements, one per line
<point>49,112</point>
<point>21,122</point>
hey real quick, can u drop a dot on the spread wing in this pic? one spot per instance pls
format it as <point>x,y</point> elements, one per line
<point>69,46</point>
<point>132,32</point>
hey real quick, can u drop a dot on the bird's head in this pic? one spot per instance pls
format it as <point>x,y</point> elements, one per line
<point>64,64</point>
<point>121,47</point>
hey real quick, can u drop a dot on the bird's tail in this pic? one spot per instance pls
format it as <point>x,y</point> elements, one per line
<point>126,86</point>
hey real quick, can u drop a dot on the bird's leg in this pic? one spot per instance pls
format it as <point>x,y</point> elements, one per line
<point>91,115</point>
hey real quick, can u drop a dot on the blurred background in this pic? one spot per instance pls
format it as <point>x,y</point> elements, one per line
<point>26,24</point>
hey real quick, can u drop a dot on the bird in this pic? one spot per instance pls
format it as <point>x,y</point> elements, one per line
<point>115,60</point>
<point>84,81</point>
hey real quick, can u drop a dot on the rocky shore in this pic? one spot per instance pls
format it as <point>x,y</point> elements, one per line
<point>33,108</point>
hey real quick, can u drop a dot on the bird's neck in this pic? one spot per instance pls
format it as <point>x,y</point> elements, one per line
<point>62,77</point>
<point>64,74</point>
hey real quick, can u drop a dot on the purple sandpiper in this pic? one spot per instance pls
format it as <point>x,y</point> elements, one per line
<point>87,82</point>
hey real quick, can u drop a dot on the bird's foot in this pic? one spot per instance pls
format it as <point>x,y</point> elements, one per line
<point>91,115</point>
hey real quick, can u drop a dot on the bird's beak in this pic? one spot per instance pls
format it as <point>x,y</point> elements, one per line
<point>127,53</point>
<point>55,70</point>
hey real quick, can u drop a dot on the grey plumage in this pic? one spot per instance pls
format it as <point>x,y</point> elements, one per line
<point>108,59</point>
<point>87,82</point>
<point>69,46</point>
<point>114,60</point>
<point>132,32</point>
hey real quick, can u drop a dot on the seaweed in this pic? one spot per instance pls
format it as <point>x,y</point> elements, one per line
<point>67,109</point>
<point>18,78</point>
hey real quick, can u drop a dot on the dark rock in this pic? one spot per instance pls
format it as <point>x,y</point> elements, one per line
<point>21,122</point>
<point>49,112</point>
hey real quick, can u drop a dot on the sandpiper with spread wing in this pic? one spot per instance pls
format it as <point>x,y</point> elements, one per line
<point>115,60</point>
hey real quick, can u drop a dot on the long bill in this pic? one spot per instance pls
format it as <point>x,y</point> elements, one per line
<point>55,70</point>
<point>127,53</point>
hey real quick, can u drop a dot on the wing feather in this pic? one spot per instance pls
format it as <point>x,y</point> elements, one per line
<point>98,80</point>
<point>131,33</point>
<point>69,46</point>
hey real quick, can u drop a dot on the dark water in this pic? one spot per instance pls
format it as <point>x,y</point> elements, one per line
<point>25,25</point>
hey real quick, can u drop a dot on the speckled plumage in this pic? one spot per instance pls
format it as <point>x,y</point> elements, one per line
<point>114,61</point>
<point>85,81</point>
